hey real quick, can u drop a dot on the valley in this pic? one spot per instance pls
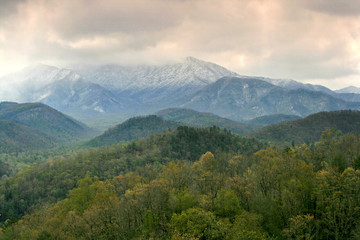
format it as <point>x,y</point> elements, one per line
<point>181,151</point>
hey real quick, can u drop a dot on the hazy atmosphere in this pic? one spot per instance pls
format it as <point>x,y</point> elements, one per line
<point>315,41</point>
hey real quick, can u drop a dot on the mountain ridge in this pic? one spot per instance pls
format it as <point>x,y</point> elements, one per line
<point>244,98</point>
<point>310,128</point>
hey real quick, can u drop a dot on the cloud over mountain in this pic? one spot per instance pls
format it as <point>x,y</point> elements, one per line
<point>277,38</point>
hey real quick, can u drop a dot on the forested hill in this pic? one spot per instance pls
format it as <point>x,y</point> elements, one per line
<point>309,129</point>
<point>201,119</point>
<point>133,128</point>
<point>34,126</point>
<point>141,191</point>
<point>45,120</point>
<point>272,119</point>
<point>51,181</point>
<point>15,137</point>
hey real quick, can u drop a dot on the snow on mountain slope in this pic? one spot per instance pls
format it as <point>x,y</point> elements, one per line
<point>62,89</point>
<point>350,89</point>
<point>292,84</point>
<point>21,86</point>
<point>247,98</point>
<point>191,72</point>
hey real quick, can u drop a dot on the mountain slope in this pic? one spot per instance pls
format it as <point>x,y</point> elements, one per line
<point>184,143</point>
<point>350,89</point>
<point>22,86</point>
<point>19,138</point>
<point>239,98</point>
<point>272,119</point>
<point>293,85</point>
<point>191,72</point>
<point>80,97</point>
<point>309,129</point>
<point>349,97</point>
<point>200,119</point>
<point>45,121</point>
<point>156,85</point>
<point>134,128</point>
<point>62,89</point>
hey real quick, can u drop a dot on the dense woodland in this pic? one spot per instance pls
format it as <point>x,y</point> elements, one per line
<point>310,128</point>
<point>190,184</point>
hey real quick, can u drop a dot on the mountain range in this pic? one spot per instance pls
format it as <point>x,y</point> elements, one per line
<point>110,93</point>
<point>246,98</point>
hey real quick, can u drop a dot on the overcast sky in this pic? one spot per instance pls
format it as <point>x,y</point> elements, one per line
<point>315,41</point>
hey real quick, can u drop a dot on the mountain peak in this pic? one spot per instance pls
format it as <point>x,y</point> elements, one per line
<point>190,59</point>
<point>350,89</point>
<point>39,67</point>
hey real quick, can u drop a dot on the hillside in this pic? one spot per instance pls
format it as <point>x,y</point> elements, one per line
<point>200,119</point>
<point>104,95</point>
<point>172,186</point>
<point>272,119</point>
<point>133,128</point>
<point>184,143</point>
<point>191,72</point>
<point>43,124</point>
<point>247,98</point>
<point>309,129</point>
<point>19,138</point>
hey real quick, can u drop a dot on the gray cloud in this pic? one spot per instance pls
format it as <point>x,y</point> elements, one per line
<point>9,7</point>
<point>85,18</point>
<point>337,7</point>
<point>302,39</point>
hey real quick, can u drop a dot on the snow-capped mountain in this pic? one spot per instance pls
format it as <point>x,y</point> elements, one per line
<point>191,72</point>
<point>62,89</point>
<point>144,89</point>
<point>156,86</point>
<point>350,89</point>
<point>80,95</point>
<point>21,86</point>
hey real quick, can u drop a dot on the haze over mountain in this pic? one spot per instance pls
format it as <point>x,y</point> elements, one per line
<point>245,98</point>
<point>292,84</point>
<point>350,89</point>
<point>191,72</point>
<point>118,92</point>
<point>155,84</point>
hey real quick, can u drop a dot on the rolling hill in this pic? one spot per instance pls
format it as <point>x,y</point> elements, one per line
<point>309,129</point>
<point>199,119</point>
<point>30,126</point>
<point>272,119</point>
<point>133,128</point>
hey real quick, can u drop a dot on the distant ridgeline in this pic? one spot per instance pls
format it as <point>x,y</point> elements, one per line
<point>133,128</point>
<point>200,119</point>
<point>309,129</point>
<point>104,95</point>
